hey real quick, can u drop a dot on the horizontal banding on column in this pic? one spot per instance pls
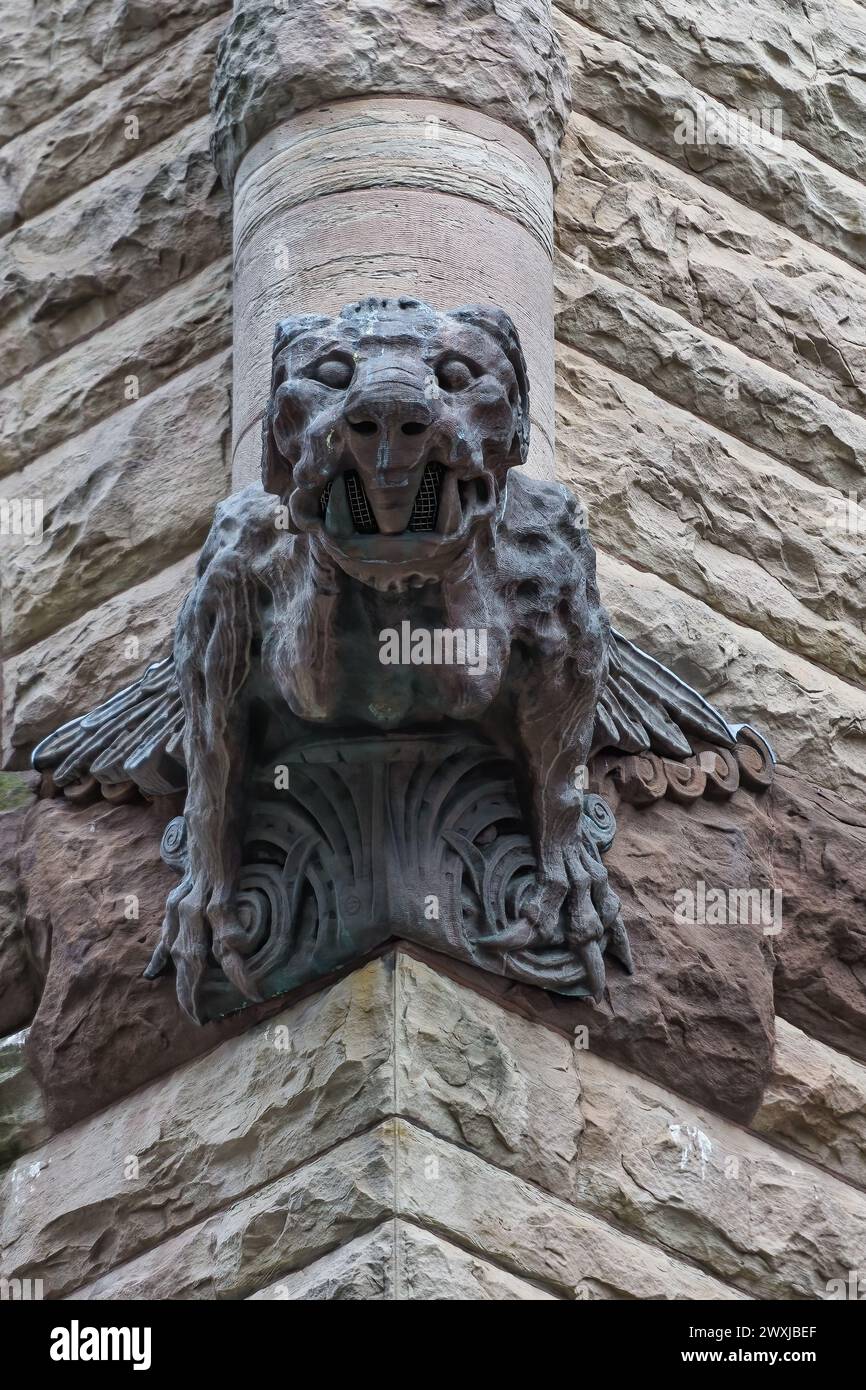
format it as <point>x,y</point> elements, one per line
<point>445,250</point>
<point>394,143</point>
<point>501,57</point>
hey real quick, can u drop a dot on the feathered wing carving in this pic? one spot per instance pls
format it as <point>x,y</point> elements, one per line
<point>646,708</point>
<point>136,737</point>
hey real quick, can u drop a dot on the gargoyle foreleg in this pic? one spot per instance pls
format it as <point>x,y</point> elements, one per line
<point>212,654</point>
<point>555,739</point>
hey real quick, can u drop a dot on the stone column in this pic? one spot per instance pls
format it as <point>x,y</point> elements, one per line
<point>386,148</point>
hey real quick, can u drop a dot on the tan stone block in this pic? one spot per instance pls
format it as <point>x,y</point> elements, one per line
<point>709,377</point>
<point>110,248</point>
<point>743,532</point>
<point>725,268</point>
<point>643,99</point>
<point>404,1263</point>
<point>699,1187</point>
<point>121,501</point>
<point>54,53</point>
<point>127,360</point>
<point>113,123</point>
<point>815,1103</point>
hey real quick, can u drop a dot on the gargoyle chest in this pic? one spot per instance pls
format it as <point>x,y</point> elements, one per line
<point>355,657</point>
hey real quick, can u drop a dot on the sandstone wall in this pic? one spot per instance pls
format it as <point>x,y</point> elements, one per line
<point>710,322</point>
<point>115,331</point>
<point>399,1136</point>
<point>711,378</point>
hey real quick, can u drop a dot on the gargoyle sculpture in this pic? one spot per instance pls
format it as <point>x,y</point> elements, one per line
<point>388,681</point>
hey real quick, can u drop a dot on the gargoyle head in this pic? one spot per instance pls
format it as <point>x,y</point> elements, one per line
<point>390,430</point>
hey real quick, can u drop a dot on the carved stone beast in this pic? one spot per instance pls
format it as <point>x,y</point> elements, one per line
<point>391,503</point>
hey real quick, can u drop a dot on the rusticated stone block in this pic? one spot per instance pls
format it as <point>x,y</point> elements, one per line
<point>705,1190</point>
<point>397,1169</point>
<point>815,1103</point>
<point>819,854</point>
<point>725,268</point>
<point>56,52</point>
<point>733,53</point>
<point>690,368</point>
<point>125,361</point>
<point>393,1034</point>
<point>406,1263</point>
<point>629,91</point>
<point>122,501</point>
<point>275,61</point>
<point>110,125</point>
<point>113,246</point>
<point>749,535</point>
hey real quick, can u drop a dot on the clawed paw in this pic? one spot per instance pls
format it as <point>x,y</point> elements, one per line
<point>199,923</point>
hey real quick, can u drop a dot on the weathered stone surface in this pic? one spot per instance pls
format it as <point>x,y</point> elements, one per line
<point>54,159</point>
<point>815,721</point>
<point>132,357</point>
<point>475,1073</point>
<point>405,1263</point>
<point>485,1078</point>
<point>274,62</point>
<point>56,52</point>
<point>122,501</point>
<point>642,99</point>
<point>698,1013</point>
<point>819,853</point>
<point>18,981</point>
<point>700,1188</point>
<point>746,534</point>
<point>710,378</point>
<point>76,667</point>
<point>363,1269</point>
<point>281,1227</point>
<point>115,245</point>
<point>815,1103</point>
<point>497,1216</point>
<point>723,267</point>
<point>23,1124</point>
<point>101,1029</point>
<point>397,1169</point>
<point>160,1160</point>
<point>807,61</point>
<point>429,1268</point>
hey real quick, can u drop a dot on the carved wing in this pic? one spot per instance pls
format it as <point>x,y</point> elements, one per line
<point>646,708</point>
<point>134,739</point>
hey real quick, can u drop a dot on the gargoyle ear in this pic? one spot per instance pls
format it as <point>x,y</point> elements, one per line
<point>501,328</point>
<point>276,469</point>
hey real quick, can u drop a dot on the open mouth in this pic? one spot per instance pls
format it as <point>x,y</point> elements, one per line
<point>430,512</point>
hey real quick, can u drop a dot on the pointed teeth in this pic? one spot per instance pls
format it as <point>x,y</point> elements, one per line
<point>449,517</point>
<point>338,517</point>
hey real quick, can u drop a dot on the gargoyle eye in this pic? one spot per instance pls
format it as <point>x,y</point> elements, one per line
<point>335,372</point>
<point>454,374</point>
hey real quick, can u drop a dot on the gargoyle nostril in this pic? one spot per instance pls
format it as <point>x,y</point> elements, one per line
<point>414,427</point>
<point>363,426</point>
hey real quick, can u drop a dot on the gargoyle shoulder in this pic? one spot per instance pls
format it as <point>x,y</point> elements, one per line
<point>244,527</point>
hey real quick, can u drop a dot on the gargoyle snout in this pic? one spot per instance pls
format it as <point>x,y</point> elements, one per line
<point>388,411</point>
